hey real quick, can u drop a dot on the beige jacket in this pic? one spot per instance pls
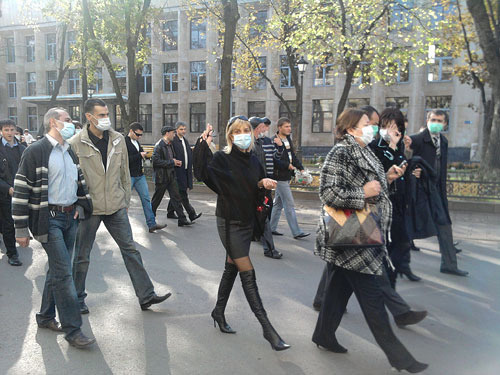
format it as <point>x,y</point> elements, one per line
<point>110,190</point>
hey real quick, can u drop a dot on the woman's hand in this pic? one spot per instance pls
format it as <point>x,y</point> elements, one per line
<point>394,173</point>
<point>267,183</point>
<point>395,135</point>
<point>207,134</point>
<point>372,189</point>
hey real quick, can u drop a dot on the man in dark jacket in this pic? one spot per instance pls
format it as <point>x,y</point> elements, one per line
<point>432,147</point>
<point>184,173</point>
<point>136,155</point>
<point>164,162</point>
<point>284,170</point>
<point>10,156</point>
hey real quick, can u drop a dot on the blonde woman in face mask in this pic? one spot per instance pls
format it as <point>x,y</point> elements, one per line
<point>237,177</point>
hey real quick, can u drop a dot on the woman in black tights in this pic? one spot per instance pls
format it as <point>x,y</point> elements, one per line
<point>237,177</point>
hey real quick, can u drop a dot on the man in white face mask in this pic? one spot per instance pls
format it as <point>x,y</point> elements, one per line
<point>104,161</point>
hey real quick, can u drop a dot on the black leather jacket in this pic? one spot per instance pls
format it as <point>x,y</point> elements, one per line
<point>163,164</point>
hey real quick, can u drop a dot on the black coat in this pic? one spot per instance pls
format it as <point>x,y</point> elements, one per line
<point>163,164</point>
<point>424,205</point>
<point>281,171</point>
<point>423,146</point>
<point>134,158</point>
<point>184,176</point>
<point>6,175</point>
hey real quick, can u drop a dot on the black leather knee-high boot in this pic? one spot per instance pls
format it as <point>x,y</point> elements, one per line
<point>252,294</point>
<point>225,287</point>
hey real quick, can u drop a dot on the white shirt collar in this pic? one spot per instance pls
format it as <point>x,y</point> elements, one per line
<point>54,143</point>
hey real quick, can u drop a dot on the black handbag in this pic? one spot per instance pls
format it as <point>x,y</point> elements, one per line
<point>261,214</point>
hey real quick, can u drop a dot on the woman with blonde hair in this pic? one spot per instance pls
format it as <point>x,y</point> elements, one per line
<point>237,177</point>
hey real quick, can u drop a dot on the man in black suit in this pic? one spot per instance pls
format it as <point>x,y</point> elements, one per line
<point>10,156</point>
<point>432,146</point>
<point>184,172</point>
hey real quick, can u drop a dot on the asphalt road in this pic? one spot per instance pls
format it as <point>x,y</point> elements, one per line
<point>461,336</point>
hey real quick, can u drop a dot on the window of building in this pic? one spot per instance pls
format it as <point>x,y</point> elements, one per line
<point>74,81</point>
<point>402,103</point>
<point>146,117</point>
<point>198,76</point>
<point>440,67</point>
<point>364,78</point>
<point>121,76</point>
<point>257,109</point>
<point>149,35</point>
<point>219,114</point>
<point>197,117</point>
<point>170,114</point>
<point>145,83</point>
<point>11,50</point>
<point>357,102</point>
<point>30,48</point>
<point>322,118</point>
<point>12,85</point>
<point>98,81</point>
<point>71,41</point>
<point>170,77</point>
<point>74,112</point>
<point>286,73</point>
<point>400,17</point>
<point>51,81</point>
<point>261,83</point>
<point>439,102</point>
<point>50,46</point>
<point>31,87</point>
<point>32,119</point>
<point>324,75</point>
<point>13,114</point>
<point>198,29</point>
<point>170,35</point>
<point>283,112</point>
<point>219,77</point>
<point>259,23</point>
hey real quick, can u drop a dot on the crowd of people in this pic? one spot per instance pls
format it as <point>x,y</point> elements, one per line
<point>60,188</point>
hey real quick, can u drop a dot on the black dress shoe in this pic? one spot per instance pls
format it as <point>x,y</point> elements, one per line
<point>156,299</point>
<point>409,318</point>
<point>14,261</point>
<point>413,247</point>
<point>275,254</point>
<point>84,308</point>
<point>416,367</point>
<point>277,233</point>
<point>409,274</point>
<point>53,325</point>
<point>195,216</point>
<point>80,341</point>
<point>157,227</point>
<point>456,272</point>
<point>172,215</point>
<point>335,347</point>
<point>317,306</point>
<point>301,235</point>
<point>183,223</point>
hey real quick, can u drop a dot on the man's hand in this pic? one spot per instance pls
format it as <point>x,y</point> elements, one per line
<point>76,215</point>
<point>143,154</point>
<point>407,141</point>
<point>11,192</point>
<point>268,183</point>
<point>177,163</point>
<point>278,141</point>
<point>23,241</point>
<point>207,134</point>
<point>291,167</point>
<point>417,172</point>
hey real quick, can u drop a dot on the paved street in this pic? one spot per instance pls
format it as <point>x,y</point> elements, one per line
<point>461,336</point>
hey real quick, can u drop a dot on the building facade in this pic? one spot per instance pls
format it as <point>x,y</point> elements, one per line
<point>181,82</point>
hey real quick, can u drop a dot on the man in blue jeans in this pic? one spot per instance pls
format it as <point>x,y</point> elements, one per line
<point>104,161</point>
<point>136,155</point>
<point>50,196</point>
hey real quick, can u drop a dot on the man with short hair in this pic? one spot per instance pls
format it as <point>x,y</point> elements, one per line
<point>104,162</point>
<point>266,152</point>
<point>372,114</point>
<point>184,172</point>
<point>432,147</point>
<point>50,197</point>
<point>136,155</point>
<point>284,169</point>
<point>10,156</point>
<point>164,162</point>
<point>28,138</point>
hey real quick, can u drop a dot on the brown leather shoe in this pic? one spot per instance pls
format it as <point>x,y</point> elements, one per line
<point>157,227</point>
<point>80,341</point>
<point>53,325</point>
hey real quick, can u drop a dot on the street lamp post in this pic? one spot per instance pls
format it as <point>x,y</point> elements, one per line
<point>302,66</point>
<point>91,91</point>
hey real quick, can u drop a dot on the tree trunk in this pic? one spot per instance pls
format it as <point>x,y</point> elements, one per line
<point>349,74</point>
<point>231,17</point>
<point>487,123</point>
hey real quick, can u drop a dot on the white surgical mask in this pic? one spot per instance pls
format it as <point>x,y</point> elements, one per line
<point>368,133</point>
<point>68,131</point>
<point>243,141</point>
<point>103,124</point>
<point>384,133</point>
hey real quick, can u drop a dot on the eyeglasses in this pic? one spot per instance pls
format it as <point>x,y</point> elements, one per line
<point>138,134</point>
<point>234,118</point>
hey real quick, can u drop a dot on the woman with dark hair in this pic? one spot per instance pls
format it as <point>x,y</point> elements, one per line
<point>238,179</point>
<point>351,177</point>
<point>389,149</point>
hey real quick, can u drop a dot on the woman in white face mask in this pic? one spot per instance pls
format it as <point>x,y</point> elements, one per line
<point>238,178</point>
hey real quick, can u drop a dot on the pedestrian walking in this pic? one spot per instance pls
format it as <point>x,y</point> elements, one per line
<point>238,178</point>
<point>50,198</point>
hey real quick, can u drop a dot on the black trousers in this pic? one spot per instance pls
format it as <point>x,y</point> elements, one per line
<point>341,284</point>
<point>173,193</point>
<point>185,203</point>
<point>7,224</point>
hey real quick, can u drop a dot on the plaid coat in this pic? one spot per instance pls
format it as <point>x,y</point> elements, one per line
<point>347,168</point>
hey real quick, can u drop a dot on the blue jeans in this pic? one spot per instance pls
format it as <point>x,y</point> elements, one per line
<point>141,186</point>
<point>59,290</point>
<point>283,198</point>
<point>118,226</point>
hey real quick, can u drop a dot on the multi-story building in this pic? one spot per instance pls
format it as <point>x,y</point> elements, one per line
<point>181,82</point>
